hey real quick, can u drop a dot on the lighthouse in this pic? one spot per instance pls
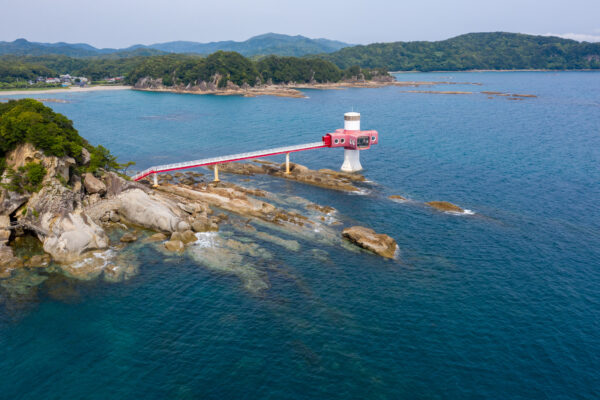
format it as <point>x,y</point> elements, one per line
<point>351,156</point>
<point>353,140</point>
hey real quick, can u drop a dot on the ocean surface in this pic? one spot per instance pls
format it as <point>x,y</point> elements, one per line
<point>502,302</point>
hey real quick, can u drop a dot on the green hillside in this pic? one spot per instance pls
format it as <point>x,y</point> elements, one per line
<point>495,50</point>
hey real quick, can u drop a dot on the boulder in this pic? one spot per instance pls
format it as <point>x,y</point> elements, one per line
<point>148,211</point>
<point>366,238</point>
<point>176,236</point>
<point>157,237</point>
<point>114,217</point>
<point>204,224</point>
<point>445,206</point>
<point>174,245</point>
<point>85,156</point>
<point>71,236</point>
<point>115,184</point>
<point>183,226</point>
<point>93,184</point>
<point>129,237</point>
<point>295,168</point>
<point>188,237</point>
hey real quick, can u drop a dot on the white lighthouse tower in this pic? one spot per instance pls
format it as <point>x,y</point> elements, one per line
<point>351,156</point>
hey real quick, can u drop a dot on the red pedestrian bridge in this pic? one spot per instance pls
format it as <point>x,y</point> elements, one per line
<point>351,138</point>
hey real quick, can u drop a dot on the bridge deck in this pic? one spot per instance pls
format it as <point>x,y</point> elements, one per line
<point>225,159</point>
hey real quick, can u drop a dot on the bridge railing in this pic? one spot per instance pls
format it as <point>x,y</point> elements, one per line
<point>225,159</point>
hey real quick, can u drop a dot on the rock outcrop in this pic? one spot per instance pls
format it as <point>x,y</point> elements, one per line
<point>149,211</point>
<point>325,178</point>
<point>366,238</point>
<point>445,206</point>
<point>68,211</point>
<point>73,235</point>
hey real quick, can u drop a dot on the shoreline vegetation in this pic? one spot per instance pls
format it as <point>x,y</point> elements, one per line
<point>282,90</point>
<point>292,90</point>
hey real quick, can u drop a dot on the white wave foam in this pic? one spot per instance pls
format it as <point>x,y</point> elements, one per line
<point>463,212</point>
<point>104,256</point>
<point>206,239</point>
<point>361,192</point>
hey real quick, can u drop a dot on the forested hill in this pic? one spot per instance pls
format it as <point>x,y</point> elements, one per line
<point>179,69</point>
<point>493,50</point>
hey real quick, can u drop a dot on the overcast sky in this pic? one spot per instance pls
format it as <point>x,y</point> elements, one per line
<point>112,23</point>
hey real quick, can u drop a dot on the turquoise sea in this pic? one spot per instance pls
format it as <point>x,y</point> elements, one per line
<point>500,303</point>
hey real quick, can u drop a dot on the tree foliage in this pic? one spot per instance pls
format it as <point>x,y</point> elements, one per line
<point>29,121</point>
<point>495,51</point>
<point>27,178</point>
<point>176,69</point>
<point>292,69</point>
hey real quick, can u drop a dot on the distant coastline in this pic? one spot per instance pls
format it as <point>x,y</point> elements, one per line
<point>72,89</point>
<point>282,90</point>
<point>292,90</point>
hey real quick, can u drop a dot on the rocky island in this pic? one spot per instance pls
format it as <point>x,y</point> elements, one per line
<point>70,195</point>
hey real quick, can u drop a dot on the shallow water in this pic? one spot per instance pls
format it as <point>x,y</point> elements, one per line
<point>501,303</point>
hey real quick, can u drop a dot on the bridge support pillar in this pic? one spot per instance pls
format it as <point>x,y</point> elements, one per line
<point>287,163</point>
<point>216,173</point>
<point>155,180</point>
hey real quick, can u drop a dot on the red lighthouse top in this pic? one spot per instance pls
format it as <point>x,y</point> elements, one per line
<point>351,140</point>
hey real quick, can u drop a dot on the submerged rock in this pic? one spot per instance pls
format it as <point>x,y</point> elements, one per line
<point>157,237</point>
<point>396,197</point>
<point>8,261</point>
<point>445,206</point>
<point>366,238</point>
<point>325,178</point>
<point>203,223</point>
<point>40,261</point>
<point>129,237</point>
<point>321,209</point>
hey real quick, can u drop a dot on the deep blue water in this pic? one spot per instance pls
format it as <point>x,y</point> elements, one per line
<point>504,303</point>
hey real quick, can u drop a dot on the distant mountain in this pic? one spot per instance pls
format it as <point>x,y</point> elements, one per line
<point>24,47</point>
<point>270,43</point>
<point>488,50</point>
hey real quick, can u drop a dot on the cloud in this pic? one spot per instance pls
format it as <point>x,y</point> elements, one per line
<point>580,37</point>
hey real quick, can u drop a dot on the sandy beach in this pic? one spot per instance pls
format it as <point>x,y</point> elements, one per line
<point>64,90</point>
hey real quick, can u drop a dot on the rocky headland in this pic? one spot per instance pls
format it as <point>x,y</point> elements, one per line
<point>290,89</point>
<point>85,221</point>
